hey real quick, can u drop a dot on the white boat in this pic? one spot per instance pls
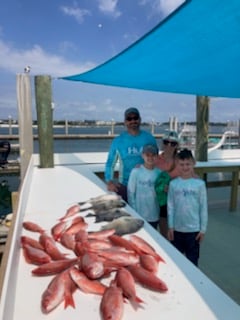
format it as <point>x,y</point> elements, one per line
<point>226,147</point>
<point>45,195</point>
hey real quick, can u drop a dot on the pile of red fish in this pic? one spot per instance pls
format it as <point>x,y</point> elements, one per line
<point>91,258</point>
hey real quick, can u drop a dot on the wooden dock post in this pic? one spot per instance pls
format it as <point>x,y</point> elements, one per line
<point>24,99</point>
<point>201,152</point>
<point>43,92</point>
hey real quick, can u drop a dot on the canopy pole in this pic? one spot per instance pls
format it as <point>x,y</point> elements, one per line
<point>43,94</point>
<point>201,152</point>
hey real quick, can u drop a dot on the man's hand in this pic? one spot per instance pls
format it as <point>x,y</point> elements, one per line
<point>170,234</point>
<point>113,187</point>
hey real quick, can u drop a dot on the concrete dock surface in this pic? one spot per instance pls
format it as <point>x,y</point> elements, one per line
<point>220,253</point>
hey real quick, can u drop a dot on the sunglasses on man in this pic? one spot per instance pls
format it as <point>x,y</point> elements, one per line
<point>172,143</point>
<point>135,118</point>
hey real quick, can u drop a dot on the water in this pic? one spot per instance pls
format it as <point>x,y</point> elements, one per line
<point>75,145</point>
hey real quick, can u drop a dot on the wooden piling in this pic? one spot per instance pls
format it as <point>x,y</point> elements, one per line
<point>43,95</point>
<point>201,151</point>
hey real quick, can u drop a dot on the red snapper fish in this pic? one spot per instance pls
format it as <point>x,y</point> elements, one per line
<point>145,247</point>
<point>147,278</point>
<point>124,243</point>
<point>149,262</point>
<point>58,229</point>
<point>54,267</point>
<point>50,247</point>
<point>31,226</point>
<point>111,306</point>
<point>60,289</point>
<point>76,227</point>
<point>101,235</point>
<point>71,211</point>
<point>125,280</point>
<point>81,236</point>
<point>34,255</point>
<point>30,241</point>
<point>92,266</point>
<point>85,284</point>
<point>68,241</point>
<point>119,257</point>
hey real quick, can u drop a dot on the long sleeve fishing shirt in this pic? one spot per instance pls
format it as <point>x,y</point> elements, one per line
<point>141,192</point>
<point>127,149</point>
<point>187,205</point>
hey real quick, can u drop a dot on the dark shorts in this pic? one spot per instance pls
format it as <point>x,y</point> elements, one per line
<point>186,243</point>
<point>122,191</point>
<point>154,224</point>
<point>163,211</point>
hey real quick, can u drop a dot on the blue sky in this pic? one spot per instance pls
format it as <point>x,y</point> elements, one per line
<point>64,37</point>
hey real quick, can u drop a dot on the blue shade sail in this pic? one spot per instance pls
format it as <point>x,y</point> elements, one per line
<point>195,50</point>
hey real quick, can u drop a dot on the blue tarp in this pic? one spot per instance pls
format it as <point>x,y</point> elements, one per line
<point>195,50</point>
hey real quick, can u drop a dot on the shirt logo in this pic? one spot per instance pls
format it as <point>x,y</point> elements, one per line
<point>133,150</point>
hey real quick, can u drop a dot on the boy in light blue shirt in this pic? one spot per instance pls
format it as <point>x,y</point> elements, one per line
<point>187,208</point>
<point>141,186</point>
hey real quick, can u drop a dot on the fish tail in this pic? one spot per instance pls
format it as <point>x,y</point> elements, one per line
<point>138,300</point>
<point>159,258</point>
<point>91,215</point>
<point>69,301</point>
<point>84,209</point>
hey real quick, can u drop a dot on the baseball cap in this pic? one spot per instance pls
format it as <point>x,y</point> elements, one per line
<point>131,110</point>
<point>171,136</point>
<point>150,148</point>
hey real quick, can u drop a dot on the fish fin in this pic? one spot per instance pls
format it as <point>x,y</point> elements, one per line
<point>159,258</point>
<point>136,303</point>
<point>68,301</point>
<point>138,300</point>
<point>91,215</point>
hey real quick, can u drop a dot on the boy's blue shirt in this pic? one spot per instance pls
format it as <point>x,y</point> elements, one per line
<point>141,192</point>
<point>128,150</point>
<point>187,205</point>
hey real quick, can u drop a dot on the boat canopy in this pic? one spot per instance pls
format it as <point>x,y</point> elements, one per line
<point>195,50</point>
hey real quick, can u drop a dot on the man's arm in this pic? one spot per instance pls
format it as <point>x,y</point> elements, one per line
<point>110,166</point>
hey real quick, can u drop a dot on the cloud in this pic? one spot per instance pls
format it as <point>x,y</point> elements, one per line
<point>75,12</point>
<point>164,7</point>
<point>109,7</point>
<point>41,62</point>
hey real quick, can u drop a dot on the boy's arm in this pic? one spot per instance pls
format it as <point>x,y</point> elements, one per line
<point>170,206</point>
<point>203,208</point>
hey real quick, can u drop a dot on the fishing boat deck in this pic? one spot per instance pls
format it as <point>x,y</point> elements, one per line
<point>219,257</point>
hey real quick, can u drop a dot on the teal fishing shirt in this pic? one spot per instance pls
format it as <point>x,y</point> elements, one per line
<point>187,205</point>
<point>141,192</point>
<point>162,181</point>
<point>127,149</point>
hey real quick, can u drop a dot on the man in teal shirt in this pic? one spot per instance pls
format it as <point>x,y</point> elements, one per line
<point>127,149</point>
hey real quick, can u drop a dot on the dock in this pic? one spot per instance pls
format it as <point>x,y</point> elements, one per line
<point>12,168</point>
<point>87,136</point>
